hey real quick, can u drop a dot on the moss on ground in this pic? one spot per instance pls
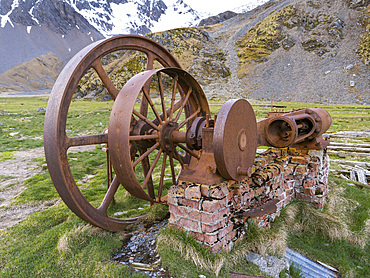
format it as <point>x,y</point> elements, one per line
<point>262,39</point>
<point>364,47</point>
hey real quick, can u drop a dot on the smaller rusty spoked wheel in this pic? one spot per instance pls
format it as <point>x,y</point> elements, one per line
<point>156,140</point>
<point>56,140</point>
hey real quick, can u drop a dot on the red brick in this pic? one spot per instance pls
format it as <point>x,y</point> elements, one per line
<point>303,197</point>
<point>193,192</point>
<point>229,196</point>
<point>309,191</point>
<point>189,203</point>
<point>299,160</point>
<point>281,196</point>
<point>210,218</point>
<point>248,196</point>
<point>224,212</point>
<point>189,224</point>
<point>218,246</point>
<point>301,169</point>
<point>206,228</point>
<point>290,183</point>
<point>211,206</point>
<point>204,189</point>
<point>219,192</point>
<point>258,191</point>
<point>177,190</point>
<point>171,199</point>
<point>231,235</point>
<point>210,238</point>
<point>225,231</point>
<point>275,186</point>
<point>195,215</point>
<point>315,159</point>
<point>172,218</point>
<point>309,183</point>
<point>178,210</point>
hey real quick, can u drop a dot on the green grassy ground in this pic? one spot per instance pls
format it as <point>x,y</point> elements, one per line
<point>56,243</point>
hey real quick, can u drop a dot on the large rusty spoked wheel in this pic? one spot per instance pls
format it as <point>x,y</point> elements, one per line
<point>56,140</point>
<point>158,138</point>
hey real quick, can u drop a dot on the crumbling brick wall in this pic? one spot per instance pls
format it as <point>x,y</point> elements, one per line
<point>215,215</point>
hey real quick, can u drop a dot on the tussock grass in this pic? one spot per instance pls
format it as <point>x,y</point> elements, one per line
<point>179,250</point>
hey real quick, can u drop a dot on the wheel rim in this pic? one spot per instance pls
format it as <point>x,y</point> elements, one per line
<point>56,141</point>
<point>162,132</point>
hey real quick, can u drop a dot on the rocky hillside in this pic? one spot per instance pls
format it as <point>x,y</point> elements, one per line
<point>299,50</point>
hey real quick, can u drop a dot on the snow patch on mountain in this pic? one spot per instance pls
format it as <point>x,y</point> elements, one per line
<point>5,18</point>
<point>250,6</point>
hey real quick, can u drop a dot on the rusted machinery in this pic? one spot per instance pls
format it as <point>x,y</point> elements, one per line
<point>157,135</point>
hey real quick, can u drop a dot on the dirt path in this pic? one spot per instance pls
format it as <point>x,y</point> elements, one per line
<point>13,173</point>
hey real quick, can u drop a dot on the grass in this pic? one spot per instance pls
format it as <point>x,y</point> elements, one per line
<point>56,243</point>
<point>6,155</point>
<point>183,255</point>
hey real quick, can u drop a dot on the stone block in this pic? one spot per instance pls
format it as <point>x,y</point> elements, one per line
<point>189,225</point>
<point>177,190</point>
<point>219,192</point>
<point>212,206</point>
<point>178,210</point>
<point>210,238</point>
<point>193,192</point>
<point>204,190</point>
<point>299,160</point>
<point>210,218</point>
<point>195,215</point>
<point>309,183</point>
<point>207,228</point>
<point>223,232</point>
<point>189,203</point>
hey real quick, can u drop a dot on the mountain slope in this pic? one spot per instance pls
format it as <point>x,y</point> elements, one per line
<point>312,51</point>
<point>296,50</point>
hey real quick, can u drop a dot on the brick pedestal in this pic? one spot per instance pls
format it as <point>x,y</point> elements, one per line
<point>215,215</point>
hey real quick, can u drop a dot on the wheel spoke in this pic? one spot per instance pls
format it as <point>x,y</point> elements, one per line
<point>160,186</point>
<point>145,154</point>
<point>143,137</point>
<point>183,104</point>
<point>86,140</point>
<point>173,97</point>
<point>109,195</point>
<point>149,175</point>
<point>149,61</point>
<point>161,92</point>
<point>105,79</point>
<point>149,99</point>
<point>192,153</point>
<point>192,116</point>
<point>177,156</point>
<point>172,170</point>
<point>142,117</point>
